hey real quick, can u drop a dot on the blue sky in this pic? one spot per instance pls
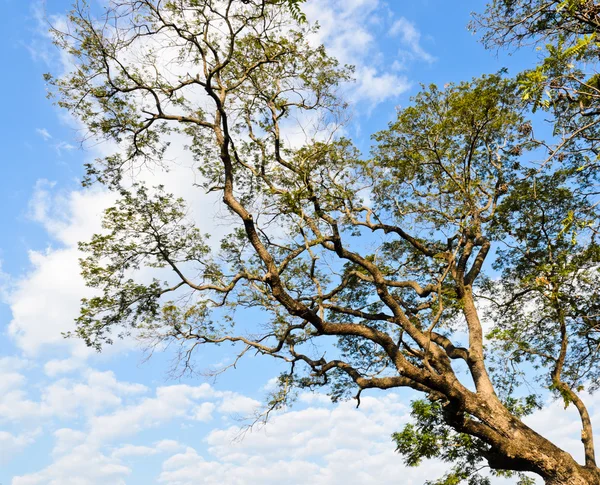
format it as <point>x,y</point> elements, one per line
<point>70,416</point>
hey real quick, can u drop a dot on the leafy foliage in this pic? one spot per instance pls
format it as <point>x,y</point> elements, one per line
<point>565,80</point>
<point>431,437</point>
<point>143,230</point>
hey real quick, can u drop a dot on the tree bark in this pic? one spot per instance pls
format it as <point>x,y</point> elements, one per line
<point>534,453</point>
<point>586,476</point>
<point>516,446</point>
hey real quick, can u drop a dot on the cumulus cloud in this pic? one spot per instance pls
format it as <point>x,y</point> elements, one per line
<point>349,30</point>
<point>237,404</point>
<point>312,442</point>
<point>64,398</point>
<point>170,403</point>
<point>45,301</point>
<point>10,376</point>
<point>112,411</point>
<point>322,445</point>
<point>376,88</point>
<point>11,444</point>
<point>56,367</point>
<point>67,439</point>
<point>83,465</point>
<point>101,391</point>
<point>163,446</point>
<point>319,442</point>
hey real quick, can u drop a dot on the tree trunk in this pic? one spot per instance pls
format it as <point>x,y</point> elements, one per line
<point>585,476</point>
<point>515,446</point>
<point>556,467</point>
<point>537,455</point>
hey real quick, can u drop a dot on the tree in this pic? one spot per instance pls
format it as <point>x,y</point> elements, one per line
<point>366,271</point>
<point>565,81</point>
<point>547,297</point>
<point>550,278</point>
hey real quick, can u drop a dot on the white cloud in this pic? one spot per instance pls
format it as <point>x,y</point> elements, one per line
<point>316,443</point>
<point>376,88</point>
<point>168,446</point>
<point>14,402</point>
<point>83,465</point>
<point>351,8</point>
<point>57,367</point>
<point>114,411</point>
<point>238,405</point>
<point>11,444</point>
<point>410,39</point>
<point>190,469</point>
<point>64,146</point>
<point>39,204</point>
<point>132,450</point>
<point>100,392</point>
<point>66,440</point>
<point>64,398</point>
<point>40,47</point>
<point>170,403</point>
<point>314,397</point>
<point>83,456</point>
<point>340,445</point>
<point>164,446</point>
<point>69,217</point>
<point>323,444</point>
<point>46,300</point>
<point>271,384</point>
<point>203,412</point>
<point>5,284</point>
<point>43,132</point>
<point>10,380</point>
<point>59,146</point>
<point>349,30</point>
<point>45,303</point>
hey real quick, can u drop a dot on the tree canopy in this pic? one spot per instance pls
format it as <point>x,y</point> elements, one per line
<point>565,80</point>
<point>368,271</point>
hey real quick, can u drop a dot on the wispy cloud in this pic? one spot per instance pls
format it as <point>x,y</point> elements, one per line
<point>63,146</point>
<point>59,146</point>
<point>43,132</point>
<point>410,40</point>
